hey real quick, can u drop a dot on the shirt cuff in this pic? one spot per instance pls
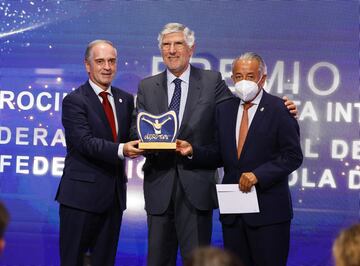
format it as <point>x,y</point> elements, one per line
<point>121,151</point>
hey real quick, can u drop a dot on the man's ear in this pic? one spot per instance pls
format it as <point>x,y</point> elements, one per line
<point>87,65</point>
<point>192,49</point>
<point>262,81</point>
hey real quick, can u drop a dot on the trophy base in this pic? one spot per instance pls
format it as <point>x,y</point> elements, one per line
<point>157,145</point>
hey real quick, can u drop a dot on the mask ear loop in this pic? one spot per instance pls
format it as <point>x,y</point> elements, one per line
<point>257,83</point>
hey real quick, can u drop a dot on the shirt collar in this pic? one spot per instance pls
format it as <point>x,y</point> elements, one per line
<point>97,89</point>
<point>184,76</point>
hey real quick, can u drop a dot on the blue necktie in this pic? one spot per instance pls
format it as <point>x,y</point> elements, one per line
<point>175,100</point>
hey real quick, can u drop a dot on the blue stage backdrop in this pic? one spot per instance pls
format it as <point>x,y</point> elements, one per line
<point>312,52</point>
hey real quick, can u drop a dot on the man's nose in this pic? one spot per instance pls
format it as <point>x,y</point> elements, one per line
<point>107,65</point>
<point>172,48</point>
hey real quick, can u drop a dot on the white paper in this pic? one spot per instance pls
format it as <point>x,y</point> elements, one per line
<point>232,200</point>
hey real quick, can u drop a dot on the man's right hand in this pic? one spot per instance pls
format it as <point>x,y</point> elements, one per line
<point>291,106</point>
<point>131,149</point>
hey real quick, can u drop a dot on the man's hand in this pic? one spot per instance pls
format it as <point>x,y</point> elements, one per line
<point>291,106</point>
<point>131,149</point>
<point>184,148</point>
<point>247,180</point>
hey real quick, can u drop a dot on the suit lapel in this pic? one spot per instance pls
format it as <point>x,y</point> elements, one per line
<point>192,97</point>
<point>257,120</point>
<point>120,111</point>
<point>231,118</point>
<point>98,108</point>
<point>162,93</point>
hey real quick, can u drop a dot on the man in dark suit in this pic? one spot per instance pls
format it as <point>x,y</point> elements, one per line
<point>259,145</point>
<point>179,199</point>
<point>92,191</point>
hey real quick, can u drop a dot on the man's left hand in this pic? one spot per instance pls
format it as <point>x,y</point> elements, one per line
<point>247,180</point>
<point>184,148</point>
<point>291,106</point>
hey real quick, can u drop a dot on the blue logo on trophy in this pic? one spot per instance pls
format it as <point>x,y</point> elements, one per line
<point>157,132</point>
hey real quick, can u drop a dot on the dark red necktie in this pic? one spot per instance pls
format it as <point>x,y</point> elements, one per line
<point>109,112</point>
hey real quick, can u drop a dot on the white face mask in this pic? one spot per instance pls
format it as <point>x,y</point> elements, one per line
<point>246,90</point>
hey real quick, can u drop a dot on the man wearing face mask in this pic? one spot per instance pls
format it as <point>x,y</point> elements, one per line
<point>258,145</point>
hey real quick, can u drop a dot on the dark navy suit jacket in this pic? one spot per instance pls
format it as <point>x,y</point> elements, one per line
<point>92,167</point>
<point>271,151</point>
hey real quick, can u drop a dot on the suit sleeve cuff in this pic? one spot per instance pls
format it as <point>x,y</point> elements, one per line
<point>121,151</point>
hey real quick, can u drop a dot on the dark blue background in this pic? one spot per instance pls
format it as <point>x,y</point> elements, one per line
<point>36,35</point>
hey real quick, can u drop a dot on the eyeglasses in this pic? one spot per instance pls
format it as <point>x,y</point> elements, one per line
<point>176,45</point>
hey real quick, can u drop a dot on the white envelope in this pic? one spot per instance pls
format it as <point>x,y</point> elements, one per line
<point>232,200</point>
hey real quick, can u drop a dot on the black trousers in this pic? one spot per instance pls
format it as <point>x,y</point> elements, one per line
<point>258,246</point>
<point>180,226</point>
<point>82,231</point>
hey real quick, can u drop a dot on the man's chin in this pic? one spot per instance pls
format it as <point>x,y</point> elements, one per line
<point>106,81</point>
<point>105,84</point>
<point>173,67</point>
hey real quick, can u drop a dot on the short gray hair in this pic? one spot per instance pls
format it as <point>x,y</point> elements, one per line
<point>251,56</point>
<point>173,27</point>
<point>93,43</point>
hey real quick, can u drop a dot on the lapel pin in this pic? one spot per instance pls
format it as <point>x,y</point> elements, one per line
<point>120,100</point>
<point>262,109</point>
